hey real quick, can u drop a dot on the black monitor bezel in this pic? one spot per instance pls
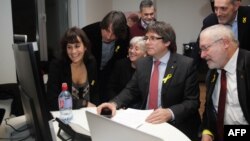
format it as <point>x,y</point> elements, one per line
<point>32,94</point>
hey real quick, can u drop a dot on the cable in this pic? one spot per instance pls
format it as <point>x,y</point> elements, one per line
<point>17,130</point>
<point>24,138</point>
<point>20,138</point>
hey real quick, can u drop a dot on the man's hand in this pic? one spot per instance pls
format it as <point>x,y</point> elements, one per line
<point>111,106</point>
<point>206,138</point>
<point>159,116</point>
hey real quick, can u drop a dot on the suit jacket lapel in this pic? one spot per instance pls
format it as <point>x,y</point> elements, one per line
<point>242,23</point>
<point>147,71</point>
<point>210,83</point>
<point>147,75</point>
<point>169,73</point>
<point>241,83</point>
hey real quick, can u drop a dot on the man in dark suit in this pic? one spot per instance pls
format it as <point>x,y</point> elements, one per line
<point>109,42</point>
<point>228,12</point>
<point>220,49</point>
<point>178,89</point>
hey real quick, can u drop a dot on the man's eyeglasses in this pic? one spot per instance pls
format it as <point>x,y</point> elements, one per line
<point>205,48</point>
<point>152,38</point>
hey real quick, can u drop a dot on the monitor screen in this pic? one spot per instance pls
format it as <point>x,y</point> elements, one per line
<point>32,92</point>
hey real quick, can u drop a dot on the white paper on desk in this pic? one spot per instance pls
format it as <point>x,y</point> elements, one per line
<point>165,131</point>
<point>132,117</point>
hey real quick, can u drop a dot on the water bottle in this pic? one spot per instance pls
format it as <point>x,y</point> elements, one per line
<point>65,104</point>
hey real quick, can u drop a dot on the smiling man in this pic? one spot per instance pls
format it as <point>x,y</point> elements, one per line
<point>227,12</point>
<point>147,14</point>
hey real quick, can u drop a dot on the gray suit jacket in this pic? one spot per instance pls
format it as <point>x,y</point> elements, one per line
<point>180,93</point>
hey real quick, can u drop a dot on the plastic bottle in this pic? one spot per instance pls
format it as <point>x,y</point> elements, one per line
<point>65,104</point>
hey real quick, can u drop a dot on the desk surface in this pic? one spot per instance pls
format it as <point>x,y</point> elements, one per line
<point>164,130</point>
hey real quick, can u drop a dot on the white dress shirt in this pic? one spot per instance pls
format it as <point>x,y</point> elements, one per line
<point>233,111</point>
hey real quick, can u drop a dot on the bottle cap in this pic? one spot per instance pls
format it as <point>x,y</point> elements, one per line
<point>64,87</point>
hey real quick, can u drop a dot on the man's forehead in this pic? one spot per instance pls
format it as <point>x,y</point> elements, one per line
<point>147,9</point>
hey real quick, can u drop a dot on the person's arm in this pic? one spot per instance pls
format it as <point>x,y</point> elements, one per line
<point>113,83</point>
<point>190,97</point>
<point>160,115</point>
<point>129,94</point>
<point>94,94</point>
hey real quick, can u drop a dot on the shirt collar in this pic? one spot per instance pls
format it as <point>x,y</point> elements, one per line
<point>236,17</point>
<point>109,44</point>
<point>235,20</point>
<point>232,63</point>
<point>143,24</point>
<point>164,59</point>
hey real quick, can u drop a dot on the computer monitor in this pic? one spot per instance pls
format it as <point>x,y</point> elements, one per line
<point>32,92</point>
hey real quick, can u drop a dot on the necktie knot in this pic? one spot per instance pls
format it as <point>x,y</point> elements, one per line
<point>223,72</point>
<point>157,63</point>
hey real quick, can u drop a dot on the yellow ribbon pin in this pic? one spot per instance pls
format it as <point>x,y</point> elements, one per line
<point>166,78</point>
<point>93,82</point>
<point>244,20</point>
<point>212,81</point>
<point>117,48</point>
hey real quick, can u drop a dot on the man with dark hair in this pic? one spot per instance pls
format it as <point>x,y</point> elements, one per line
<point>164,81</point>
<point>147,14</point>
<point>109,42</point>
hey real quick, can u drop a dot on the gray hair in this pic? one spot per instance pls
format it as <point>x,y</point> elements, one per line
<point>146,3</point>
<point>139,41</point>
<point>232,1</point>
<point>219,31</point>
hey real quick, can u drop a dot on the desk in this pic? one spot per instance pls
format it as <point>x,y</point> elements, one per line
<point>165,131</point>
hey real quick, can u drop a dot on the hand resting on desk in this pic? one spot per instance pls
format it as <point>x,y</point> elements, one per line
<point>159,115</point>
<point>105,106</point>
